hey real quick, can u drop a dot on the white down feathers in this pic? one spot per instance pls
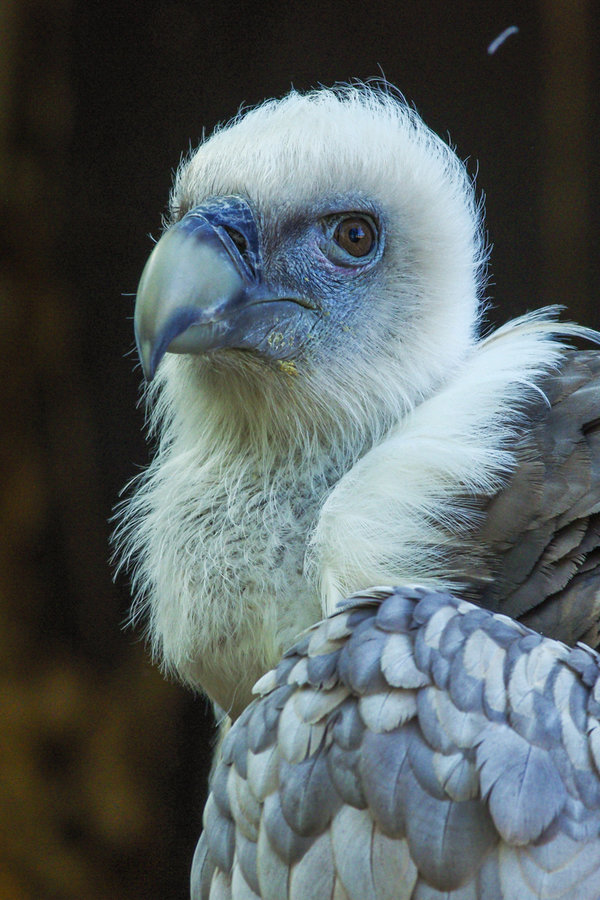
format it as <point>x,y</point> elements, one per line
<point>272,495</point>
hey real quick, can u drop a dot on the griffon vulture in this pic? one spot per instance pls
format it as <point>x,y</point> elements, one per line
<point>329,417</point>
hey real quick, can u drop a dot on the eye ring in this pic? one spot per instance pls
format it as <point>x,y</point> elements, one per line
<point>355,235</point>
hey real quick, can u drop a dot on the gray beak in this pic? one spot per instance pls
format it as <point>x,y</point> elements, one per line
<point>202,290</point>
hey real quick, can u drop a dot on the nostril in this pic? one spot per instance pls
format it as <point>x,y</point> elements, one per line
<point>238,239</point>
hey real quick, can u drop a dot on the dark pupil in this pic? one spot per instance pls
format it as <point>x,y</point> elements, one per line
<point>356,234</point>
<point>355,237</point>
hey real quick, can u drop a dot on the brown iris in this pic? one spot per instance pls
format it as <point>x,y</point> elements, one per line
<point>355,236</point>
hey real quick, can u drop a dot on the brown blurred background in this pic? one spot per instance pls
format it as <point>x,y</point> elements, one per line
<point>102,762</point>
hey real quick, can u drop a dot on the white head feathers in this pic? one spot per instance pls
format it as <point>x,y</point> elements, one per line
<point>293,154</point>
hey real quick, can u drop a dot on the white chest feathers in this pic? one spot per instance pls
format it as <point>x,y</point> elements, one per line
<point>223,567</point>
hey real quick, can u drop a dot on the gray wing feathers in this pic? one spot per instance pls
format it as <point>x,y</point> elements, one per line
<point>203,868</point>
<point>417,748</point>
<point>542,531</point>
<point>369,864</point>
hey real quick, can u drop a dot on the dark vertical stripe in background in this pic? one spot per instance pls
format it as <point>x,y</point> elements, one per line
<point>566,129</point>
<point>103,762</point>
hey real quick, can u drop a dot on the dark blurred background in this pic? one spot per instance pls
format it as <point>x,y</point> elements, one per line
<point>102,762</point>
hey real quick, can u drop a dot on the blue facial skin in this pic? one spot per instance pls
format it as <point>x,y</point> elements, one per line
<point>206,286</point>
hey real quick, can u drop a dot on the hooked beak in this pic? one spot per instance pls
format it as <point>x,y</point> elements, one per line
<point>202,290</point>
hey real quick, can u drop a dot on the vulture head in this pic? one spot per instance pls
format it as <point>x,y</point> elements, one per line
<point>326,416</point>
<point>321,269</point>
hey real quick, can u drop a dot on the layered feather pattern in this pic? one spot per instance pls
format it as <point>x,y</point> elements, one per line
<point>412,747</point>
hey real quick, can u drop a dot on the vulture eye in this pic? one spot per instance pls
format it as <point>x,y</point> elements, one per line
<point>355,236</point>
<point>350,239</point>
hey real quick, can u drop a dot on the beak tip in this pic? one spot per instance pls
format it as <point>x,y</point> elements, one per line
<point>147,358</point>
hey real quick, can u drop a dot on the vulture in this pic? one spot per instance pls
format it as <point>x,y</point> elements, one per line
<point>370,532</point>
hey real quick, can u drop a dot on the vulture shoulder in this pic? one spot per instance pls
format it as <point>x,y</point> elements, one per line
<point>541,533</point>
<point>477,491</point>
<point>412,745</point>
